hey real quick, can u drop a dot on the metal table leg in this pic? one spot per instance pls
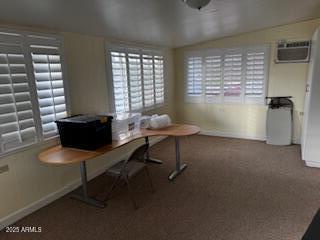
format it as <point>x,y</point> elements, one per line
<point>179,167</point>
<point>148,158</point>
<point>84,197</point>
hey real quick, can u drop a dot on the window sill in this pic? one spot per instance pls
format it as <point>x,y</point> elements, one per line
<point>150,109</point>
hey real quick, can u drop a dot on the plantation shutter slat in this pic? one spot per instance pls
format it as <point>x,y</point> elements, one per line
<point>255,77</point>
<point>232,75</point>
<point>47,66</point>
<point>17,125</point>
<point>120,81</point>
<point>134,63</point>
<point>159,79</point>
<point>194,73</point>
<point>148,80</point>
<point>213,77</point>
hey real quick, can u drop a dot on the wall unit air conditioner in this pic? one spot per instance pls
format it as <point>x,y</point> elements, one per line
<point>293,51</point>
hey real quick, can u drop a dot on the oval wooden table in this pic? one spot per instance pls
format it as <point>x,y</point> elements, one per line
<point>62,155</point>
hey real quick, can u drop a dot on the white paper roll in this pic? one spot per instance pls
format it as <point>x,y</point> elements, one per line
<point>160,121</point>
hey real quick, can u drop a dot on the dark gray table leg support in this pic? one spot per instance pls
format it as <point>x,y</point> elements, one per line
<point>84,197</point>
<point>148,158</point>
<point>179,167</point>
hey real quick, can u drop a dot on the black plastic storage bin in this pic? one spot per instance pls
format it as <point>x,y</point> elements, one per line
<point>85,131</point>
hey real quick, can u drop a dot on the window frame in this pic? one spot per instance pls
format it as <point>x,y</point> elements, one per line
<point>221,99</point>
<point>135,49</point>
<point>26,39</point>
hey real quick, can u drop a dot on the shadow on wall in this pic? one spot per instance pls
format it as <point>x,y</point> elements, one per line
<point>253,122</point>
<point>247,121</point>
<point>297,125</point>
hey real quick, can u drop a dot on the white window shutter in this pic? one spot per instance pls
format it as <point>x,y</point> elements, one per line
<point>31,88</point>
<point>236,75</point>
<point>232,77</point>
<point>120,81</point>
<point>159,79</point>
<point>194,74</point>
<point>135,83</point>
<point>148,80</point>
<point>17,125</point>
<point>48,73</point>
<point>213,77</point>
<point>137,78</point>
<point>255,76</point>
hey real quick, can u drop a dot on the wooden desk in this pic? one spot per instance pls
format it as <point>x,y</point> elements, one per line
<point>61,155</point>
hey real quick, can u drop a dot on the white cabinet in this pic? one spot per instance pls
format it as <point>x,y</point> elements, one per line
<point>311,126</point>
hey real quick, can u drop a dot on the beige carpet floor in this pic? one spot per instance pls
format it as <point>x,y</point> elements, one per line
<point>232,189</point>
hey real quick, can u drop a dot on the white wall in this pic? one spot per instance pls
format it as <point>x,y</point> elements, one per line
<point>248,120</point>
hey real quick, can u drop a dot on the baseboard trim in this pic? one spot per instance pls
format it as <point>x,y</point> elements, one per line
<point>21,213</point>
<point>240,136</point>
<point>232,135</point>
<point>312,164</point>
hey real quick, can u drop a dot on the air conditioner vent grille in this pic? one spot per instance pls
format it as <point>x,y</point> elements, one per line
<point>299,44</point>
<point>288,52</point>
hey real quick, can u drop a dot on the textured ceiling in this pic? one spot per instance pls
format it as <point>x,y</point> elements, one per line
<point>161,22</point>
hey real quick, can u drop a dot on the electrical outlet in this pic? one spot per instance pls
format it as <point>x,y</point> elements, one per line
<point>4,168</point>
